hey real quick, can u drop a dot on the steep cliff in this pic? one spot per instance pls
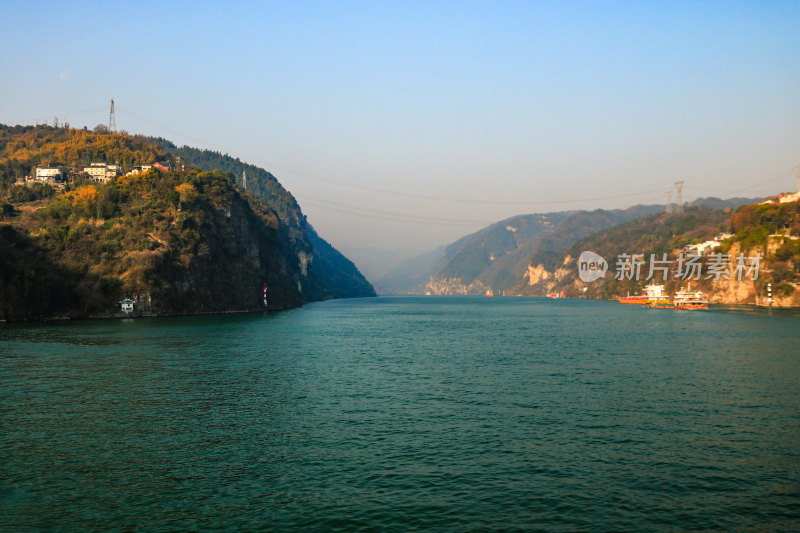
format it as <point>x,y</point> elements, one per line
<point>332,274</point>
<point>176,242</point>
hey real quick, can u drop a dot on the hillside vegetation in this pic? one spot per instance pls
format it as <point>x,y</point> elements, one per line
<point>770,231</point>
<point>504,255</point>
<point>182,241</point>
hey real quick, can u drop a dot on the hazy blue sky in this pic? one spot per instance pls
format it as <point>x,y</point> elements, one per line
<point>408,125</point>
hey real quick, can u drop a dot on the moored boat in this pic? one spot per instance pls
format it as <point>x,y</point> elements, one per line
<point>659,304</point>
<point>688,299</point>
<point>684,299</point>
<point>651,293</point>
<point>638,299</point>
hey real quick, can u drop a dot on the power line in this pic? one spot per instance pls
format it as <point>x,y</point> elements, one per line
<point>761,183</point>
<point>389,215</point>
<point>416,196</point>
<point>161,126</point>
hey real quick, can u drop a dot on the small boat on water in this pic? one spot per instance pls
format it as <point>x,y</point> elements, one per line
<point>652,293</point>
<point>489,293</point>
<point>555,294</point>
<point>684,299</point>
<point>690,300</point>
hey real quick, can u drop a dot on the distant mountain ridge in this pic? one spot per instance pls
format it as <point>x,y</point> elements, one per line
<point>499,256</point>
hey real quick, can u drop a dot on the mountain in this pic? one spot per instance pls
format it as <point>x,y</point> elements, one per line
<point>491,257</point>
<point>743,253</point>
<point>332,274</point>
<point>411,275</point>
<point>499,257</point>
<point>179,241</point>
<point>376,261</point>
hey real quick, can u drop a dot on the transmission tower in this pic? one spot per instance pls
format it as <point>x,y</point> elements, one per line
<point>112,121</point>
<point>679,196</point>
<point>668,206</point>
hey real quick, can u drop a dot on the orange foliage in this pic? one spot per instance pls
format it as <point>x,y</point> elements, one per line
<point>187,192</point>
<point>84,196</point>
<point>45,146</point>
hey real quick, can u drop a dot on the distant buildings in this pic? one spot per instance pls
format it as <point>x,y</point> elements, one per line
<point>102,172</point>
<point>701,248</point>
<point>782,199</point>
<point>99,172</point>
<point>786,198</point>
<point>163,167</point>
<point>138,170</point>
<point>49,175</point>
<point>708,246</point>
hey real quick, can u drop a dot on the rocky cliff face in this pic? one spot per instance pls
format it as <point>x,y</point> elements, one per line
<point>331,274</point>
<point>778,267</point>
<point>211,253</point>
<point>175,242</point>
<point>498,257</point>
<point>507,255</point>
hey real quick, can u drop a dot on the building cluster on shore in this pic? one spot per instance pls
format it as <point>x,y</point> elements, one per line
<point>98,172</point>
<point>707,246</point>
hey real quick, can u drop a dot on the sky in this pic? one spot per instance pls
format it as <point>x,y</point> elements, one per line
<point>402,126</point>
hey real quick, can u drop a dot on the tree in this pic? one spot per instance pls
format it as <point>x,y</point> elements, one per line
<point>186,193</point>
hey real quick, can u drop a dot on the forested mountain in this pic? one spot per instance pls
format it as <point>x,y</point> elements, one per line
<point>331,275</point>
<point>176,241</point>
<point>499,256</point>
<point>769,231</point>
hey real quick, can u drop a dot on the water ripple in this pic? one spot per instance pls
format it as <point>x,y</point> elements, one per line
<point>405,414</point>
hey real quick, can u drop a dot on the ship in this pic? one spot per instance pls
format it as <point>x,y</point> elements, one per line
<point>555,294</point>
<point>684,299</point>
<point>652,293</point>
<point>636,299</point>
<point>489,293</point>
<point>689,299</point>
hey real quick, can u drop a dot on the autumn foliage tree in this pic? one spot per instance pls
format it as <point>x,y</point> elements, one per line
<point>187,193</point>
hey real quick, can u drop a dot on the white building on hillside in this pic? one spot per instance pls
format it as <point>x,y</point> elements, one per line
<point>702,248</point>
<point>48,174</point>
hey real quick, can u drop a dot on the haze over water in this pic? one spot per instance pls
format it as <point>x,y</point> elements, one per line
<point>424,413</point>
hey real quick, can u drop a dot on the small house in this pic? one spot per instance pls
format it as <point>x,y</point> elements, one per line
<point>49,174</point>
<point>127,305</point>
<point>101,172</point>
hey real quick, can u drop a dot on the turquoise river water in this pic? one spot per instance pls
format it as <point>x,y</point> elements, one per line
<point>438,413</point>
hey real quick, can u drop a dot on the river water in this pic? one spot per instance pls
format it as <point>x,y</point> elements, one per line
<point>437,413</point>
